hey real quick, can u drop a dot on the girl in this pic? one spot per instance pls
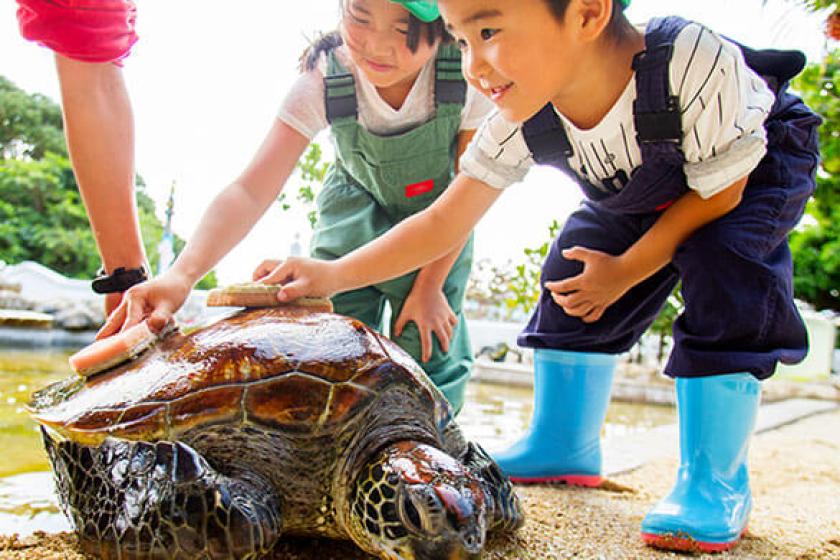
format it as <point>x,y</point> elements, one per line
<point>390,88</point>
<point>696,164</point>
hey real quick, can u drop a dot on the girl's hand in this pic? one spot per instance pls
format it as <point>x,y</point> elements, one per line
<point>603,281</point>
<point>299,277</point>
<point>154,301</point>
<point>430,311</point>
<point>264,269</point>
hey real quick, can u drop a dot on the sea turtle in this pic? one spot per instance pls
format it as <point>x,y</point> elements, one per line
<point>269,422</point>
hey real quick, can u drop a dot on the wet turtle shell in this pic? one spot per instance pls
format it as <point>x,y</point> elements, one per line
<point>282,369</point>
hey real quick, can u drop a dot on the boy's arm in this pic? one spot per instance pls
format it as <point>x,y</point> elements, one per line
<point>433,275</point>
<point>606,278</point>
<point>416,241</point>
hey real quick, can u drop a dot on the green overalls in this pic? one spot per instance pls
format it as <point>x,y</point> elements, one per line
<point>377,181</point>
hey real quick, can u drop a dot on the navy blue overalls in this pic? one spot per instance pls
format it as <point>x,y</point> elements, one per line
<point>736,272</point>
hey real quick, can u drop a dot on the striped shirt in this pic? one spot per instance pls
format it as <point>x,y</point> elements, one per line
<point>723,103</point>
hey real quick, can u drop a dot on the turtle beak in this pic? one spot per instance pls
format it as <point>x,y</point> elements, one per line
<point>468,517</point>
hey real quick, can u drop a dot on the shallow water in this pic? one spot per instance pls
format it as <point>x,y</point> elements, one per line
<point>495,416</point>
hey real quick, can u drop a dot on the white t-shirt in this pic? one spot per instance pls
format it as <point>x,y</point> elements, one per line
<point>723,102</point>
<point>304,110</point>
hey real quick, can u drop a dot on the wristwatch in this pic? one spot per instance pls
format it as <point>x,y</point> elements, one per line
<point>118,281</point>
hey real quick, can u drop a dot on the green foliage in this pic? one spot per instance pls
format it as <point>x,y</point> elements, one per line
<point>489,292</point>
<point>208,282</point>
<point>312,173</point>
<point>42,217</point>
<point>30,125</point>
<point>815,5</point>
<point>816,247</point>
<point>819,86</point>
<point>524,286</point>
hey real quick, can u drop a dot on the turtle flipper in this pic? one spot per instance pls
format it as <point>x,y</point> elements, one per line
<point>161,500</point>
<point>507,512</point>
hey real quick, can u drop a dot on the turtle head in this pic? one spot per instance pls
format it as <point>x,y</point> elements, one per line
<point>415,502</point>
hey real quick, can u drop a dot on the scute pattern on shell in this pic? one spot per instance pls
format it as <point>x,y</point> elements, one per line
<point>283,368</point>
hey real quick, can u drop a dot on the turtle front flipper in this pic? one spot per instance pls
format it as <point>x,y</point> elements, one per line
<point>506,509</point>
<point>161,500</point>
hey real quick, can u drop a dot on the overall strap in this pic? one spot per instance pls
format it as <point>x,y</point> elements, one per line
<point>339,91</point>
<point>656,110</point>
<point>547,139</point>
<point>450,86</point>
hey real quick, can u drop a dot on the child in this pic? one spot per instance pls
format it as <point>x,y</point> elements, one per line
<point>696,164</point>
<point>400,114</point>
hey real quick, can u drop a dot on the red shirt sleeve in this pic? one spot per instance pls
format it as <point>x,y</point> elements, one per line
<point>86,30</point>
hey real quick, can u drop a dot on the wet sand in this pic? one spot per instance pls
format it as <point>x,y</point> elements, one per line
<point>796,483</point>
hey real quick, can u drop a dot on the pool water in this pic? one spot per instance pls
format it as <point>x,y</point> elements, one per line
<point>494,415</point>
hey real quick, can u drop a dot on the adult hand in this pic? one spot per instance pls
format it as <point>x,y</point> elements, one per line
<point>112,301</point>
<point>154,301</point>
<point>299,277</point>
<point>603,281</point>
<point>431,312</point>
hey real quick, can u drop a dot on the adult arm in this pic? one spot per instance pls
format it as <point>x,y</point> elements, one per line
<point>99,127</point>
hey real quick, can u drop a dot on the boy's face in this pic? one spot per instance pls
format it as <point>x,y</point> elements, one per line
<point>375,33</point>
<point>516,52</point>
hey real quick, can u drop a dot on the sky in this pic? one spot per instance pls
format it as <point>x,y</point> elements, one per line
<point>206,79</point>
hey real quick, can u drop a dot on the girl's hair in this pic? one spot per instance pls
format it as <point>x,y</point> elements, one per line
<point>417,28</point>
<point>618,28</point>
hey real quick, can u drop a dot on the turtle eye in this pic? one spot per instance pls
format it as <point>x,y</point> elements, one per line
<point>421,510</point>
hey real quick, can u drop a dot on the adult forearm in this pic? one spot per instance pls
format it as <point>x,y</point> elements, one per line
<point>100,136</point>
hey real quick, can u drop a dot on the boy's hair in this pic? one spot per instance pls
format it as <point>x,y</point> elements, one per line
<point>618,28</point>
<point>432,30</point>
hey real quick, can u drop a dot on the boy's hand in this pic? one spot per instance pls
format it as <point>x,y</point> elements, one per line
<point>430,311</point>
<point>299,277</point>
<point>603,281</point>
<point>155,300</point>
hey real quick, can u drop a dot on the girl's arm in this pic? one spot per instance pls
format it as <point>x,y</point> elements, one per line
<point>236,209</point>
<point>226,221</point>
<point>605,278</point>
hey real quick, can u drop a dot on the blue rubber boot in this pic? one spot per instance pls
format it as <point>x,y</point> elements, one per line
<point>571,394</point>
<point>708,508</point>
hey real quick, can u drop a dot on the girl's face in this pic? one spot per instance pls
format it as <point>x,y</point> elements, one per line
<point>375,33</point>
<point>516,52</point>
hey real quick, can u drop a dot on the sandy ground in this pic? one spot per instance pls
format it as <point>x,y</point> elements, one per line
<point>796,484</point>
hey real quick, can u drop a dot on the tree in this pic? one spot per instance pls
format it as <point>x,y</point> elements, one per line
<point>42,217</point>
<point>312,172</point>
<point>30,125</point>
<point>816,245</point>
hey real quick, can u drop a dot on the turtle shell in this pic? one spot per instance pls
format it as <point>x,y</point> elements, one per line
<point>282,369</point>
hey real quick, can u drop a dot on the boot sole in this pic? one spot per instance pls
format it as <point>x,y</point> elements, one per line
<point>587,481</point>
<point>683,543</point>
